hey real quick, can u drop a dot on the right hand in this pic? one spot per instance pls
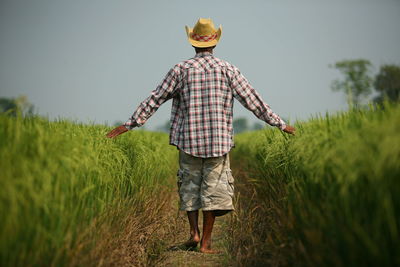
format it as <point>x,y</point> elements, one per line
<point>117,131</point>
<point>290,130</point>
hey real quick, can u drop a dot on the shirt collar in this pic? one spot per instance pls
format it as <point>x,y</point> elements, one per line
<point>203,54</point>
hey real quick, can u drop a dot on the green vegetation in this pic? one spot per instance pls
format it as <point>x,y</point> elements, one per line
<point>66,190</point>
<point>387,83</point>
<point>357,81</point>
<point>329,196</point>
<point>15,106</point>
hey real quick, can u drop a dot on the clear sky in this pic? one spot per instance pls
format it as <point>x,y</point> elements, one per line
<point>96,60</point>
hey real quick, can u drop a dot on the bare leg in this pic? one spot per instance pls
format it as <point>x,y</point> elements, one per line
<point>193,217</point>
<point>208,223</point>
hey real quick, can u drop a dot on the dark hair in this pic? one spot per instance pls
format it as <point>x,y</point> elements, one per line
<point>203,49</point>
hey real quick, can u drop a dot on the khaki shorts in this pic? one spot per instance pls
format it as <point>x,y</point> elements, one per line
<point>205,183</point>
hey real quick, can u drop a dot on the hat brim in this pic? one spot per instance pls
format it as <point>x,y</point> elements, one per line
<point>195,43</point>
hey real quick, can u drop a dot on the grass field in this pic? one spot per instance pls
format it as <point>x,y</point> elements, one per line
<point>67,191</point>
<point>329,196</point>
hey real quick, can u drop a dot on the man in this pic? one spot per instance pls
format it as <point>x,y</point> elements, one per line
<point>202,89</point>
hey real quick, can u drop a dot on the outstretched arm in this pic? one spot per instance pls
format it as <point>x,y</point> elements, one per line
<point>250,99</point>
<point>146,109</point>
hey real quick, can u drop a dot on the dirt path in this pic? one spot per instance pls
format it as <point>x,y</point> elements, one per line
<point>175,231</point>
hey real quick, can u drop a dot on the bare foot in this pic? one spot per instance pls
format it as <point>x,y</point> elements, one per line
<point>192,242</point>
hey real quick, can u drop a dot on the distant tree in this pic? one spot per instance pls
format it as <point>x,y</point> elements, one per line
<point>357,82</point>
<point>165,127</point>
<point>24,106</point>
<point>387,83</point>
<point>240,125</point>
<point>257,126</point>
<point>8,105</point>
<point>13,106</point>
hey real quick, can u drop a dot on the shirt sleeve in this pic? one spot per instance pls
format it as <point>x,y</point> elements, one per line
<point>161,94</point>
<point>250,99</point>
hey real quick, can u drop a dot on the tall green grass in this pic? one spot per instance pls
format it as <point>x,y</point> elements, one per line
<point>329,196</point>
<point>58,178</point>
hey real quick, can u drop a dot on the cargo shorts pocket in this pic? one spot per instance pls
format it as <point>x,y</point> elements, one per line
<point>230,181</point>
<point>179,179</point>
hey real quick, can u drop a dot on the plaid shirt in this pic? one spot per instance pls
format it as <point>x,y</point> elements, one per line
<point>202,89</point>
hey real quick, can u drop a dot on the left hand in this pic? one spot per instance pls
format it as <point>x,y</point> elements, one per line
<point>117,131</point>
<point>290,130</point>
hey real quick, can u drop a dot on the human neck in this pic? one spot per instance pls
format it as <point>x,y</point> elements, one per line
<point>205,49</point>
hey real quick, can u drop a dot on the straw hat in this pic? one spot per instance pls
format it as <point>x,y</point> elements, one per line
<point>204,33</point>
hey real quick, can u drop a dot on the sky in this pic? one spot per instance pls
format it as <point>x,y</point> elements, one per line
<point>96,60</point>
